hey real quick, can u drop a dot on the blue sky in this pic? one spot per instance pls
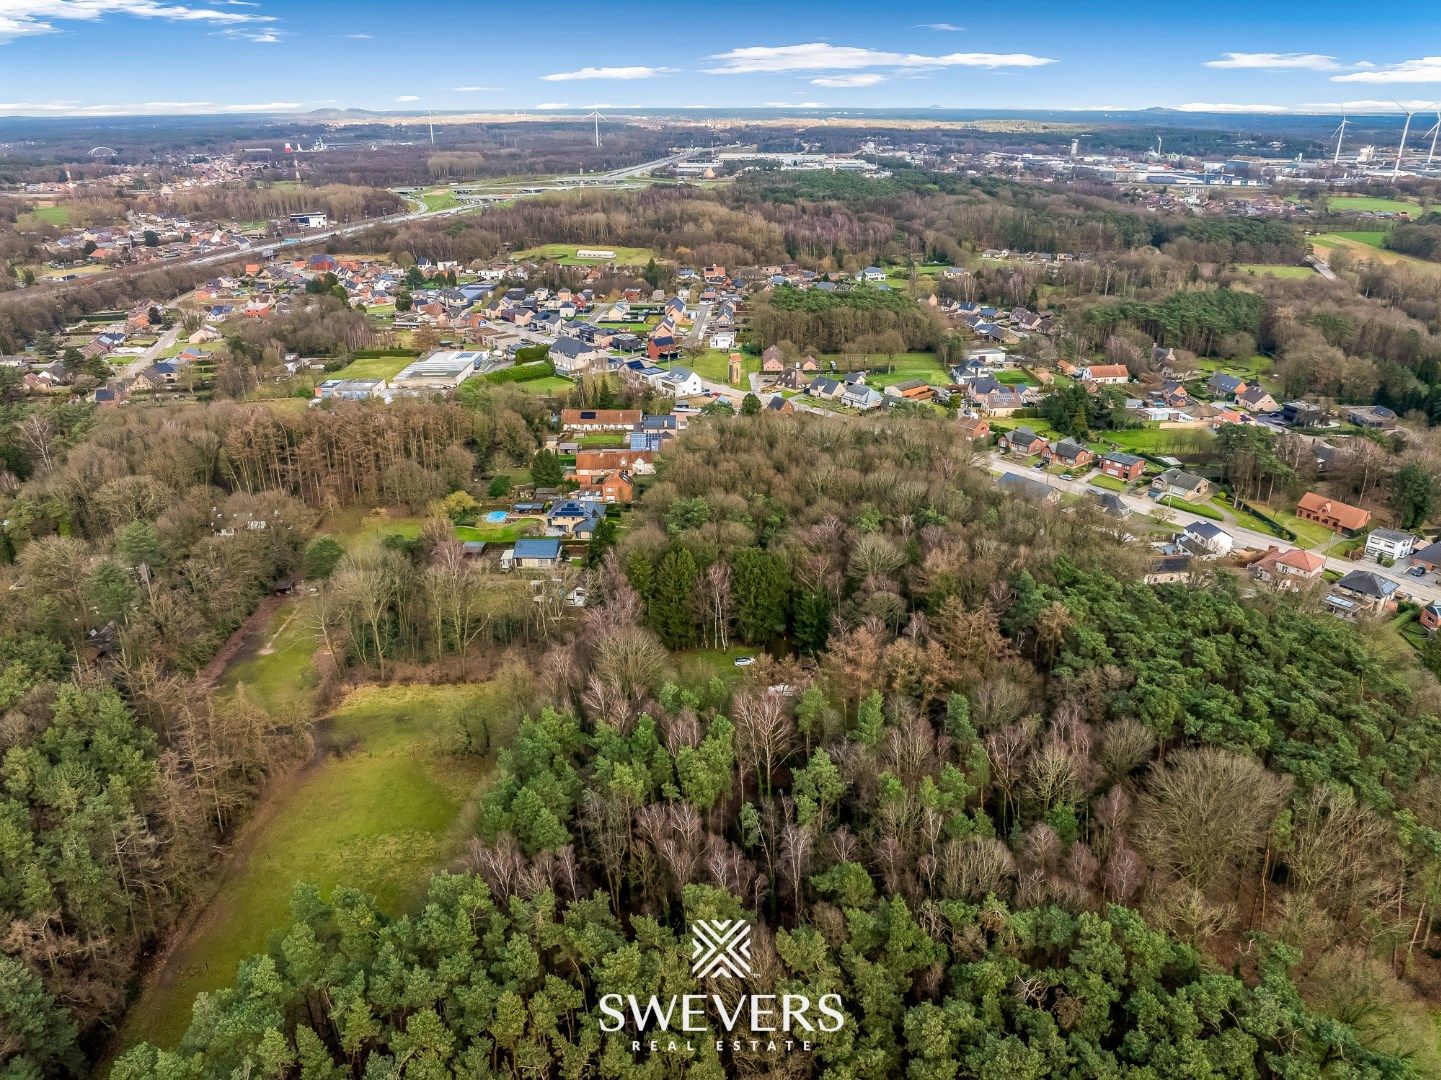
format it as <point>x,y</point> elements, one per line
<point>95,57</point>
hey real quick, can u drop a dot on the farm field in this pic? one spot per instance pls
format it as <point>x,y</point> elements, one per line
<point>565,254</point>
<point>376,812</point>
<point>1373,204</point>
<point>1364,245</point>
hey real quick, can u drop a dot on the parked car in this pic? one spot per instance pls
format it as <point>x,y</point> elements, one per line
<point>1417,571</point>
<point>745,661</point>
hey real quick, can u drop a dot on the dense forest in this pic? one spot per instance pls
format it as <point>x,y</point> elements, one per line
<point>130,554</point>
<point>1025,815</point>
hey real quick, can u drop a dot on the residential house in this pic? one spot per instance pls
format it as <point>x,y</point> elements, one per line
<point>614,488</point>
<point>1022,441</point>
<point>1106,374</point>
<point>778,404</point>
<point>1030,489</point>
<point>1070,453</point>
<point>591,465</point>
<point>1334,515</point>
<point>1359,594</point>
<point>1288,568</point>
<point>862,397</point>
<point>910,390</point>
<point>574,518</point>
<point>1223,385</point>
<point>1382,544</point>
<point>1372,416</point>
<point>973,428</point>
<point>1126,467</point>
<point>1431,616</point>
<point>681,382</point>
<point>1179,484</point>
<point>723,339</point>
<point>1111,505</point>
<point>1168,570</point>
<point>600,419</point>
<point>1302,414</point>
<point>1207,539</point>
<point>1257,400</point>
<point>571,356</point>
<point>531,555</point>
<point>1428,556</point>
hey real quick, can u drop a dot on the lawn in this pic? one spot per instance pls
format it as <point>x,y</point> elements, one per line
<point>441,198</point>
<point>904,366</point>
<point>565,254</point>
<point>1158,441</point>
<point>1308,533</point>
<point>378,813</point>
<point>550,384</point>
<point>604,440</point>
<point>1198,509</point>
<point>714,364</point>
<point>373,367</point>
<point>1110,483</point>
<point>1277,270</point>
<point>1375,238</point>
<point>1014,377</point>
<point>1252,368</point>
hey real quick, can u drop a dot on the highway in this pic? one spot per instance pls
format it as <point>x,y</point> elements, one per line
<point>320,236</point>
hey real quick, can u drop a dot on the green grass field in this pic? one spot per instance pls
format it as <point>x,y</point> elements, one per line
<point>59,216</point>
<point>378,813</point>
<point>1154,440</point>
<point>565,254</point>
<point>1109,483</point>
<point>1372,204</point>
<point>372,367</point>
<point>1276,270</point>
<point>911,365</point>
<point>439,198</point>
<point>1200,509</point>
<point>279,673</point>
<point>1374,238</point>
<point>550,384</point>
<point>714,364</point>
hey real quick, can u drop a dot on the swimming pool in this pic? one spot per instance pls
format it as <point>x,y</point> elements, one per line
<point>496,517</point>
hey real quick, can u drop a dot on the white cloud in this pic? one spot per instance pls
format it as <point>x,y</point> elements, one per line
<point>260,36</point>
<point>1228,107</point>
<point>945,27</point>
<point>606,73</point>
<point>1270,61</point>
<point>406,99</point>
<point>792,105</point>
<point>28,18</point>
<point>553,105</point>
<point>361,37</point>
<point>848,81</point>
<point>1364,105</point>
<point>818,56</point>
<point>1425,70</point>
<point>473,89</point>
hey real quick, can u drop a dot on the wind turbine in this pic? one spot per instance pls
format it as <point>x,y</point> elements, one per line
<point>1396,169</point>
<point>595,115</point>
<point>1434,132</point>
<point>1340,134</point>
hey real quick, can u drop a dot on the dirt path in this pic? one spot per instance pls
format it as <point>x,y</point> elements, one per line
<point>208,677</point>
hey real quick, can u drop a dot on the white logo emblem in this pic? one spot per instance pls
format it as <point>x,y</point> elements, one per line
<point>720,948</point>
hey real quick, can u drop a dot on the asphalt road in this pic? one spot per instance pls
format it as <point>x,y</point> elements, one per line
<point>1424,589</point>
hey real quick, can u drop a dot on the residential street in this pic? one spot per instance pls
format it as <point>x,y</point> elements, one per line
<point>1423,589</point>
